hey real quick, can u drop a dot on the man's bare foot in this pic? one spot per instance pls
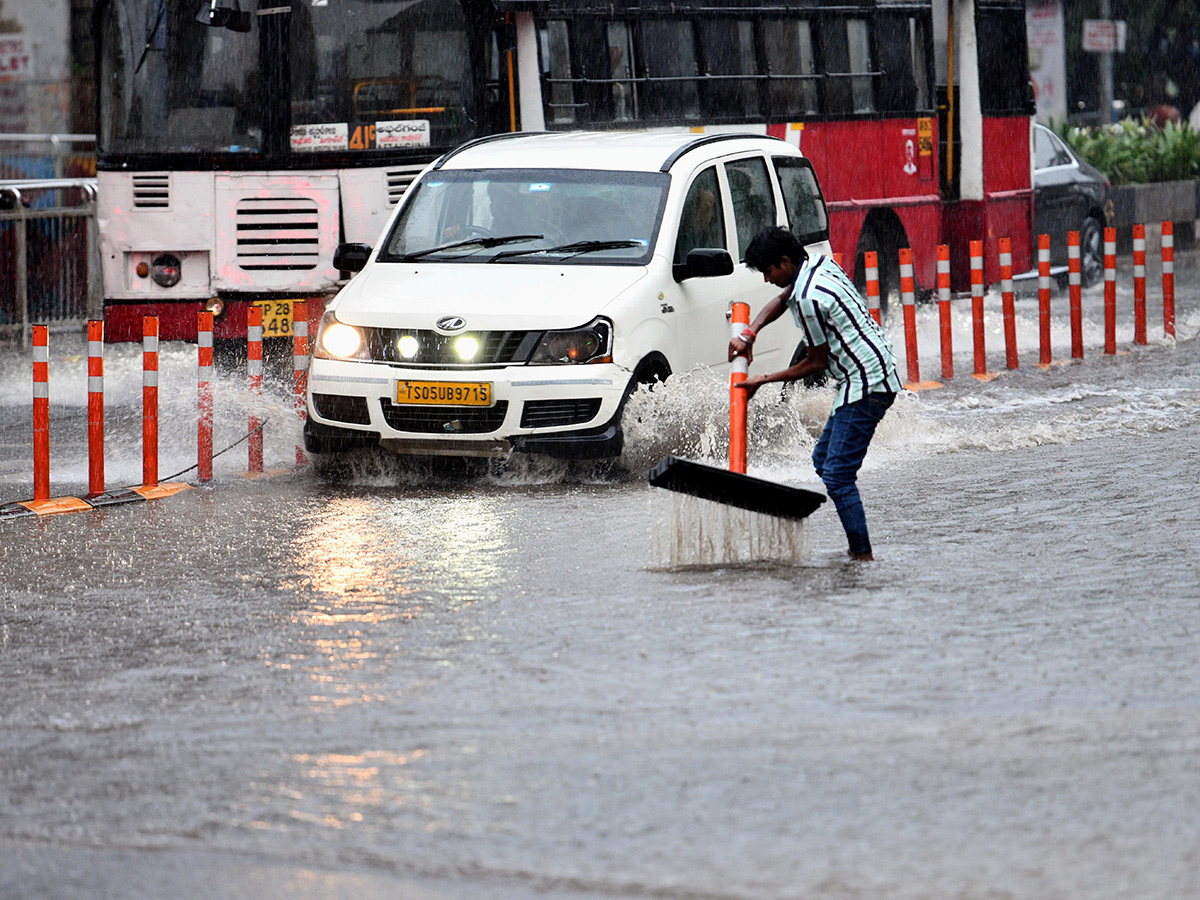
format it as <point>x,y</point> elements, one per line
<point>862,557</point>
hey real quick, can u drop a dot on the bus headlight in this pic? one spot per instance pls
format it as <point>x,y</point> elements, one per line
<point>590,344</point>
<point>337,340</point>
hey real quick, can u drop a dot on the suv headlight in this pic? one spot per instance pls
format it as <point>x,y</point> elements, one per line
<point>337,340</point>
<point>590,344</point>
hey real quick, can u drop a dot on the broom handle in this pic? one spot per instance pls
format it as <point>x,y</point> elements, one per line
<point>739,322</point>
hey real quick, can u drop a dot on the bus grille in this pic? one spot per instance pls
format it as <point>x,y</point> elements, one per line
<point>398,180</point>
<point>277,233</point>
<point>152,191</point>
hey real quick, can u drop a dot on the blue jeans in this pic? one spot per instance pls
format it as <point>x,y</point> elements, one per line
<point>838,456</point>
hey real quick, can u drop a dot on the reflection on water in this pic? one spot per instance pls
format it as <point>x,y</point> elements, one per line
<point>361,563</point>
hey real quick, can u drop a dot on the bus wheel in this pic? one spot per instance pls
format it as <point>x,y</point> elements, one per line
<point>886,245</point>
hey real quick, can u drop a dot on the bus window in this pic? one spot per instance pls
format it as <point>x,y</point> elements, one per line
<point>388,62</point>
<point>753,199</point>
<point>1004,88</point>
<point>906,87</point>
<point>174,85</point>
<point>728,48</point>
<point>802,199</point>
<point>702,223</point>
<point>669,53</point>
<point>622,60</point>
<point>556,70</point>
<point>791,67</point>
<point>849,84</point>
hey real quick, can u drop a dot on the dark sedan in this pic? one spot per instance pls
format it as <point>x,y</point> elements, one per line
<point>1069,195</point>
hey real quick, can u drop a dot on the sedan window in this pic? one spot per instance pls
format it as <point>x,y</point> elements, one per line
<point>1049,150</point>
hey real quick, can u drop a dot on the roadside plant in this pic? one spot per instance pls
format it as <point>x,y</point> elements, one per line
<point>1136,151</point>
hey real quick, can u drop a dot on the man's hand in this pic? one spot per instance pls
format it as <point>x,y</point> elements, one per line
<point>750,385</point>
<point>738,347</point>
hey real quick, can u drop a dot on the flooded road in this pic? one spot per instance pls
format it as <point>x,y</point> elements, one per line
<point>410,684</point>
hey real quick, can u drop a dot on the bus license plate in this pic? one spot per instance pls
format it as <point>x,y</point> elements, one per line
<point>444,393</point>
<point>277,317</point>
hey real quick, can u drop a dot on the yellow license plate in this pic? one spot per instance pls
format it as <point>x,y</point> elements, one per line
<point>444,393</point>
<point>277,317</point>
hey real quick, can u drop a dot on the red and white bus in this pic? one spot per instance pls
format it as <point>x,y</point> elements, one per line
<point>240,141</point>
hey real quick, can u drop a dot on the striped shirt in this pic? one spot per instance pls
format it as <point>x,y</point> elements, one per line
<point>830,310</point>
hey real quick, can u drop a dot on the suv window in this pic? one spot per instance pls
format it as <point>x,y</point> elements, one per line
<point>802,199</point>
<point>753,198</point>
<point>703,222</point>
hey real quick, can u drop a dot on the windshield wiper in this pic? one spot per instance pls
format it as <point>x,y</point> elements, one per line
<point>572,248</point>
<point>485,242</point>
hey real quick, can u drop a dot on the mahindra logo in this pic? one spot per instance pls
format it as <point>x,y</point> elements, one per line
<point>451,323</point>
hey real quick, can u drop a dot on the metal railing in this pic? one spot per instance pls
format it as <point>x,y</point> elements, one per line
<point>30,156</point>
<point>49,255</point>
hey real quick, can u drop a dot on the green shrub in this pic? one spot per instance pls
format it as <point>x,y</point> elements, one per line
<point>1137,152</point>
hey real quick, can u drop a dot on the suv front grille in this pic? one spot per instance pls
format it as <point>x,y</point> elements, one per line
<point>445,419</point>
<point>439,351</point>
<point>351,410</point>
<point>559,413</point>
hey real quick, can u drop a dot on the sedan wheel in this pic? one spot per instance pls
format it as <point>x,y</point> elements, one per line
<point>1091,252</point>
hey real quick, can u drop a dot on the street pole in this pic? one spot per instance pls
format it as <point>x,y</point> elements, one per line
<point>1106,71</point>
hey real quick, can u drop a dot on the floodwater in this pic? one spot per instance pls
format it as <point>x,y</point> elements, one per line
<point>427,685</point>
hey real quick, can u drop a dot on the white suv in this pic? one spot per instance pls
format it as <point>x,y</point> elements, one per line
<point>528,283</point>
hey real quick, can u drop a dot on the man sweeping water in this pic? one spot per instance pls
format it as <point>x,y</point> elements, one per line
<point>843,340</point>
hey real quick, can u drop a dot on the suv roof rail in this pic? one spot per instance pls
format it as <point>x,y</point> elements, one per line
<point>486,139</point>
<point>707,139</point>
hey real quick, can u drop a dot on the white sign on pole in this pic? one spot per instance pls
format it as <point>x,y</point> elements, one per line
<point>1104,35</point>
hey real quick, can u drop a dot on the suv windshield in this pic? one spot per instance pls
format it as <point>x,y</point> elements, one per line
<point>530,215</point>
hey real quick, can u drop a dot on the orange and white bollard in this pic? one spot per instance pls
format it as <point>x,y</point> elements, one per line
<point>300,365</point>
<point>943,286</point>
<point>739,323</point>
<point>95,408</point>
<point>837,258</point>
<point>871,270</point>
<point>1168,278</point>
<point>41,412</point>
<point>1008,303</point>
<point>977,308</point>
<point>1044,299</point>
<point>1076,293</point>
<point>150,401</point>
<point>254,368</point>
<point>1110,290</point>
<point>1139,284</point>
<point>908,300</point>
<point>204,392</point>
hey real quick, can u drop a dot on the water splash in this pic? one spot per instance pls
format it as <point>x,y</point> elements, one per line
<point>692,532</point>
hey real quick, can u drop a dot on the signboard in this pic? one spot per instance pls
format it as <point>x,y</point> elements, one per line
<point>406,133</point>
<point>323,137</point>
<point>16,58</point>
<point>1047,58</point>
<point>1104,35</point>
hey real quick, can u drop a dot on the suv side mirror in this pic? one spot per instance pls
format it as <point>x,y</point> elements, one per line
<point>704,262</point>
<point>351,257</point>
